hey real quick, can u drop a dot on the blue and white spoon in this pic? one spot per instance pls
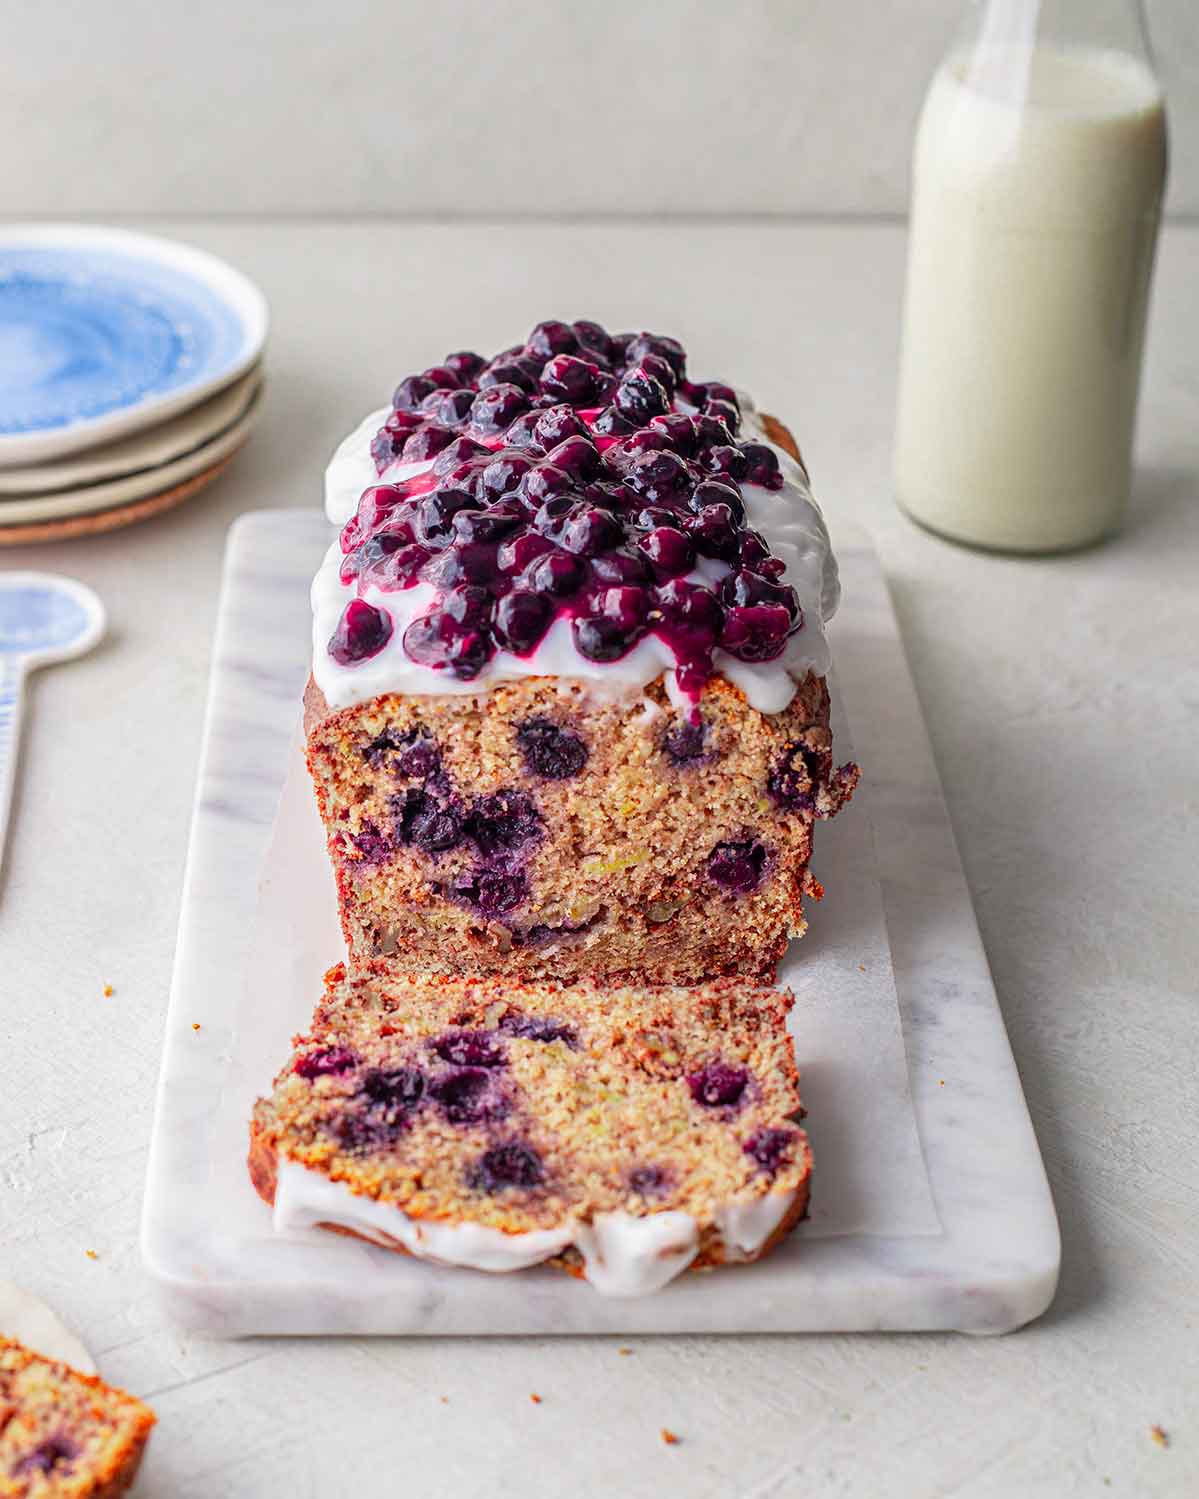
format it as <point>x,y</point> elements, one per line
<point>43,619</point>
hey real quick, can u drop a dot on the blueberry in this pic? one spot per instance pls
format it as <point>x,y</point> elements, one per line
<point>680,429</point>
<point>435,513</point>
<point>491,526</point>
<point>762,465</point>
<point>469,605</point>
<point>426,442</point>
<point>411,392</point>
<point>465,563</point>
<point>449,407</point>
<point>471,1049</point>
<point>726,412</point>
<point>602,639</point>
<point>361,632</point>
<point>503,823</point>
<point>714,532</point>
<point>552,752</point>
<point>491,892</point>
<point>686,743</point>
<point>392,1095</point>
<point>662,347</point>
<point>461,450</point>
<point>691,608</point>
<point>648,1181</point>
<point>611,422</point>
<point>566,378</point>
<point>511,1165</point>
<point>466,1096</point>
<point>588,530</point>
<point>651,516</point>
<point>551,337</point>
<point>748,587</point>
<point>669,549</point>
<point>427,822</point>
<point>512,372</point>
<point>538,1028</point>
<point>466,364</point>
<point>50,1455</point>
<point>522,432</point>
<point>386,447</point>
<point>497,407</point>
<point>718,1086</point>
<point>712,432</point>
<point>330,1061</point>
<point>660,371</point>
<point>640,397</point>
<point>769,1147</point>
<point>437,641</point>
<point>555,424</point>
<point>401,569</point>
<point>594,339</point>
<point>724,458</point>
<point>660,478</point>
<point>620,566</point>
<point>756,632</point>
<point>543,481</point>
<point>517,553</point>
<point>575,455</point>
<point>621,455</point>
<point>737,867</point>
<point>558,574</point>
<point>752,550</point>
<point>719,492</point>
<point>798,775</point>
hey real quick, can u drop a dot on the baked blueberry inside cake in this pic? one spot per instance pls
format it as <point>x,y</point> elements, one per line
<point>625,1133</point>
<point>568,712</point>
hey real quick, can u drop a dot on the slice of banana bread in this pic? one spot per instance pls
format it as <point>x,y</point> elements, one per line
<point>623,1133</point>
<point>568,714</point>
<point>65,1435</point>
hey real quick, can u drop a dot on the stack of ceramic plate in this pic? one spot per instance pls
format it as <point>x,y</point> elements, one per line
<point>129,376</point>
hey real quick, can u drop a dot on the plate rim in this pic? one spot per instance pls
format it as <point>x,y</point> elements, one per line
<point>230,285</point>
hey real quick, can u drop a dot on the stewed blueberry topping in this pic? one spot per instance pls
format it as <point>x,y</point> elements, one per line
<point>718,1086</point>
<point>565,483</point>
<point>362,632</point>
<point>513,1164</point>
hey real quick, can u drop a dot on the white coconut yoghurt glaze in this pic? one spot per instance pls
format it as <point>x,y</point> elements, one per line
<point>622,1255</point>
<point>788,519</point>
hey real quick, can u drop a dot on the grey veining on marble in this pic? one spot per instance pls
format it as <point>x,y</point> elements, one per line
<point>972,1245</point>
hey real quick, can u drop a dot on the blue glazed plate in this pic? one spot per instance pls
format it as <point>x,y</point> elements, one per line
<point>103,332</point>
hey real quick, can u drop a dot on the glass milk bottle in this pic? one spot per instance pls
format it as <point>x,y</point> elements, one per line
<point>1037,182</point>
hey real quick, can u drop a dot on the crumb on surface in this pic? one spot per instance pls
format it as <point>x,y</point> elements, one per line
<point>940,1082</point>
<point>195,1025</point>
<point>107,991</point>
<point>1158,1435</point>
<point>669,1437</point>
<point>624,1352</point>
<point>535,1398</point>
<point>91,1254</point>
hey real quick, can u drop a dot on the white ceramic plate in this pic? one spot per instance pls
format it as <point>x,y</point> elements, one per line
<point>160,444</point>
<point>104,332</point>
<point>88,499</point>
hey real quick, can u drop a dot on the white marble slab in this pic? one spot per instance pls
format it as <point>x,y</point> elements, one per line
<point>930,1209</point>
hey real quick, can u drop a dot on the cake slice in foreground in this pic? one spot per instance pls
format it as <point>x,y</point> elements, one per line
<point>65,1435</point>
<point>623,1133</point>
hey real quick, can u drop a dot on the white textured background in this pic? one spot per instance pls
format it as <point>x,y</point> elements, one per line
<point>352,107</point>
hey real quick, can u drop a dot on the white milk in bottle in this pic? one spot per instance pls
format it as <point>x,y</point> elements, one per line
<point>1037,183</point>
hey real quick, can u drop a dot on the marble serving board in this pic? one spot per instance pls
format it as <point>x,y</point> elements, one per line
<point>930,1205</point>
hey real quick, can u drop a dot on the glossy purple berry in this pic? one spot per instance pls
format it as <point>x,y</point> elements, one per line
<point>550,751</point>
<point>718,1086</point>
<point>660,371</point>
<point>566,378</point>
<point>491,526</point>
<point>437,641</point>
<point>747,587</point>
<point>515,372</point>
<point>466,364</point>
<point>512,1165</point>
<point>449,407</point>
<point>603,639</point>
<point>762,465</point>
<point>679,428</point>
<point>594,339</point>
<point>551,337</point>
<point>426,442</point>
<point>612,422</point>
<point>669,550</point>
<point>662,347</point>
<point>543,481</point>
<point>519,551</point>
<point>690,608</point>
<point>361,632</point>
<point>714,532</point>
<point>522,619</point>
<point>588,530</point>
<point>522,432</point>
<point>555,424</point>
<point>724,458</point>
<point>620,566</point>
<point>659,478</point>
<point>725,411</point>
<point>719,492</point>
<point>640,397</point>
<point>329,1061</point>
<point>755,632</point>
<point>460,451</point>
<point>504,473</point>
<point>737,867</point>
<point>576,456</point>
<point>497,407</point>
<point>410,392</point>
<point>558,574</point>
